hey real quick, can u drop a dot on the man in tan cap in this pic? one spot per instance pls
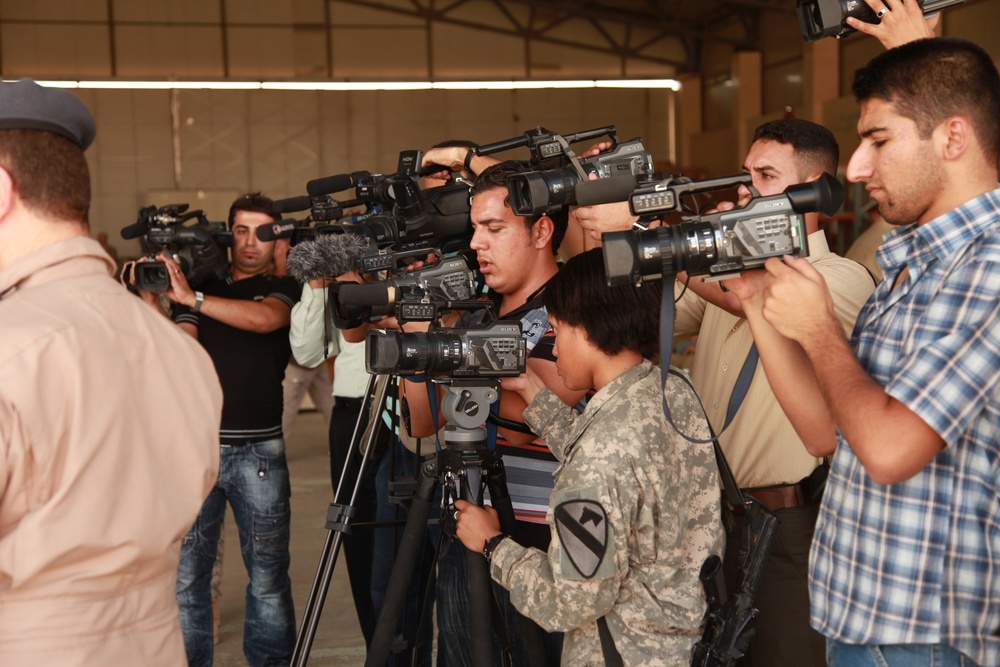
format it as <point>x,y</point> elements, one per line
<point>108,417</point>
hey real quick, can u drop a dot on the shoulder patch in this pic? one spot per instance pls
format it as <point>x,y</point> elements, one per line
<point>583,531</point>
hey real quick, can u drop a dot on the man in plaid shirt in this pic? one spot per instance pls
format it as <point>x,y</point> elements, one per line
<point>902,568</point>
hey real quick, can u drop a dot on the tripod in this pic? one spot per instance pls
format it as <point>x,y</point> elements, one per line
<point>339,517</point>
<point>464,467</point>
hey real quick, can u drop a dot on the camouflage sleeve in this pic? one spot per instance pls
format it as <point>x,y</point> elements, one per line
<point>553,420</point>
<point>578,580</point>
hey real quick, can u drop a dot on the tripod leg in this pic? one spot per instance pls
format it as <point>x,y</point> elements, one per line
<point>411,542</point>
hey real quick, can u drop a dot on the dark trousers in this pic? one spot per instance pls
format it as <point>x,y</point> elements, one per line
<point>359,545</point>
<point>784,636</point>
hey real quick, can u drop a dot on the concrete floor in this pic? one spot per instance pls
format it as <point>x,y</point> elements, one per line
<point>338,641</point>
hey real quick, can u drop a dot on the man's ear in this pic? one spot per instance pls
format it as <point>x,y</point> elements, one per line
<point>542,231</point>
<point>953,137</point>
<point>7,193</point>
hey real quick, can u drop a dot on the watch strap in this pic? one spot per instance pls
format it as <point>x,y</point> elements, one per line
<point>199,299</point>
<point>491,545</point>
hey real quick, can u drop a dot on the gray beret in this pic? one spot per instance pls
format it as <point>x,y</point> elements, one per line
<point>25,105</point>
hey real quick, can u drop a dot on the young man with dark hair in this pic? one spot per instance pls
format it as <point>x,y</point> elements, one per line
<point>243,324</point>
<point>517,258</point>
<point>108,417</point>
<point>633,514</point>
<point>902,566</point>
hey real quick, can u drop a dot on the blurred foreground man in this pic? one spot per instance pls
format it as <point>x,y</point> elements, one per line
<point>99,478</point>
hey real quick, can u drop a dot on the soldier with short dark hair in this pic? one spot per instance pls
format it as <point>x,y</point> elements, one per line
<point>634,512</point>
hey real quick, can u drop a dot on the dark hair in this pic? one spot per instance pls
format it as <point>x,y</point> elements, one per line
<point>815,147</point>
<point>253,201</point>
<point>495,177</point>
<point>930,80</point>
<point>49,173</point>
<point>615,318</point>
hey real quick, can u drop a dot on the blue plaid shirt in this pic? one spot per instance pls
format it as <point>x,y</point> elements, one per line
<point>918,562</point>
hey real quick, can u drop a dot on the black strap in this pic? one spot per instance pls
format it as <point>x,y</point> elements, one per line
<point>743,380</point>
<point>612,658</point>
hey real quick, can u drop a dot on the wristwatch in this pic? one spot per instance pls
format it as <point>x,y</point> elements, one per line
<point>491,545</point>
<point>199,298</point>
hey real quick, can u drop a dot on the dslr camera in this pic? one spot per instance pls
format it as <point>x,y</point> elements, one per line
<point>496,350</point>
<point>198,248</point>
<point>828,18</point>
<point>716,244</point>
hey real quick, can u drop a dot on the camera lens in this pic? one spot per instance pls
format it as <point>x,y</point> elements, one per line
<point>412,353</point>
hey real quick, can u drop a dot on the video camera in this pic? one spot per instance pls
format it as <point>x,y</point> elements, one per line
<point>496,350</point>
<point>198,249</point>
<point>716,244</point>
<point>408,218</point>
<point>544,191</point>
<point>828,18</point>
<point>415,296</point>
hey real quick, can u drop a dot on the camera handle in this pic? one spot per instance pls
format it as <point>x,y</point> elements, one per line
<point>339,517</point>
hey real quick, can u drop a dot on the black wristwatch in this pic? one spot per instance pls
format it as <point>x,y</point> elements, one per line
<point>491,545</point>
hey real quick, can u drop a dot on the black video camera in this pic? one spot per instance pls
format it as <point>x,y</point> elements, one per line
<point>410,218</point>
<point>828,18</point>
<point>198,248</point>
<point>496,350</point>
<point>415,296</point>
<point>726,242</point>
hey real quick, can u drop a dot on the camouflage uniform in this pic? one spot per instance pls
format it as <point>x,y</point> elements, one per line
<point>633,515</point>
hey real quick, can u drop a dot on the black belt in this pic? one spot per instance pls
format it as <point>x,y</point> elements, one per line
<point>349,402</point>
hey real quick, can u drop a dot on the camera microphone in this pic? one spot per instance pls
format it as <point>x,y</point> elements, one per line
<point>293,204</point>
<point>324,186</point>
<point>605,190</point>
<point>328,256</point>
<point>280,229</point>
<point>135,230</point>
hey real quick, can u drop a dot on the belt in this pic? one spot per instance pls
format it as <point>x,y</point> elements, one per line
<point>774,498</point>
<point>348,401</point>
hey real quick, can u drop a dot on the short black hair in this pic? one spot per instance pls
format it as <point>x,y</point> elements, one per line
<point>614,318</point>
<point>49,173</point>
<point>815,147</point>
<point>495,177</point>
<point>933,79</point>
<point>253,201</point>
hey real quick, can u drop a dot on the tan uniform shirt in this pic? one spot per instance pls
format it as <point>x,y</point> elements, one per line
<point>109,421</point>
<point>761,445</point>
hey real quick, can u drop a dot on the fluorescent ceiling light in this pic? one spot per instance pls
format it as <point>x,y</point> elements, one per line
<point>671,84</point>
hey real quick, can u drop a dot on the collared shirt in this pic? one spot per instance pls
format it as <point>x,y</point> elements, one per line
<point>761,445</point>
<point>915,562</point>
<point>109,418</point>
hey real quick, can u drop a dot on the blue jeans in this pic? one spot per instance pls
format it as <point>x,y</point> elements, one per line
<point>839,654</point>
<point>254,479</point>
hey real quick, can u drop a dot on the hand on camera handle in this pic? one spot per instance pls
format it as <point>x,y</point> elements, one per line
<point>180,291</point>
<point>902,22</point>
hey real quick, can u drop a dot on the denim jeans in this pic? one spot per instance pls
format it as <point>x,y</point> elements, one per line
<point>454,644</point>
<point>839,654</point>
<point>254,479</point>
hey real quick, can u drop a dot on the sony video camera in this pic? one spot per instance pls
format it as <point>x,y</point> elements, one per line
<point>415,296</point>
<point>198,248</point>
<point>496,350</point>
<point>828,18</point>
<point>716,244</point>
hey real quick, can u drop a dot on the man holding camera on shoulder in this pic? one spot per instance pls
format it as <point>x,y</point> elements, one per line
<point>517,258</point>
<point>765,453</point>
<point>243,324</point>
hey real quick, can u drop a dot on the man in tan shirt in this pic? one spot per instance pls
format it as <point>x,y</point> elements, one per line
<point>108,417</point>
